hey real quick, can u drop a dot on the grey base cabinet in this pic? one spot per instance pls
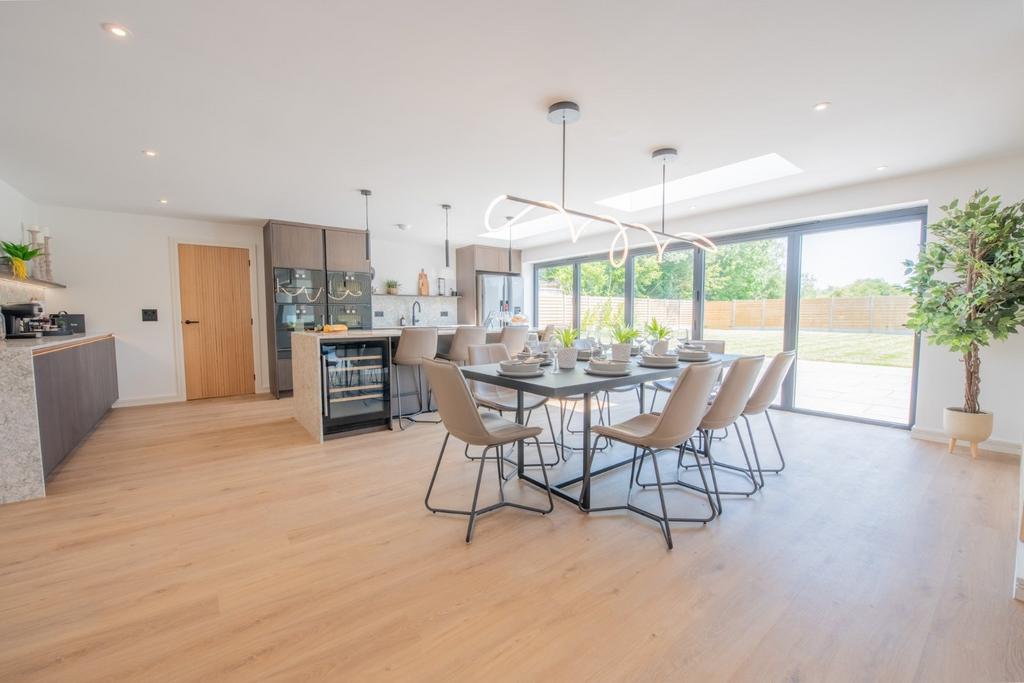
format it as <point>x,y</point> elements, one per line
<point>75,387</point>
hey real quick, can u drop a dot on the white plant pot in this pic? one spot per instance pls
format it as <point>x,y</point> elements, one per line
<point>567,358</point>
<point>621,351</point>
<point>971,427</point>
<point>660,348</point>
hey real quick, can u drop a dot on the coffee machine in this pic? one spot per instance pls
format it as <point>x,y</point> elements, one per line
<point>19,318</point>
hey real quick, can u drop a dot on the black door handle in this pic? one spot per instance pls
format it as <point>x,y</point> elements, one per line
<point>191,322</point>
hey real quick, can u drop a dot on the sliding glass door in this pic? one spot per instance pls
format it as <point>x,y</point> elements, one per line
<point>556,303</point>
<point>664,291</point>
<point>855,355</point>
<point>745,296</point>
<point>602,298</point>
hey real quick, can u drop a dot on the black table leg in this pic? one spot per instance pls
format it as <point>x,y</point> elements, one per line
<point>520,448</point>
<point>643,399</point>
<point>587,454</point>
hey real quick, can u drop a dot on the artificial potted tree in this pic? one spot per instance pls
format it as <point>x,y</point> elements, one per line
<point>968,289</point>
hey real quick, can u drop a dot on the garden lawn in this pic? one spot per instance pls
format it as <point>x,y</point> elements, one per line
<point>895,350</point>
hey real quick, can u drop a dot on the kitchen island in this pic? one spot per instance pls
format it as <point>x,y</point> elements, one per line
<point>55,391</point>
<point>347,387</point>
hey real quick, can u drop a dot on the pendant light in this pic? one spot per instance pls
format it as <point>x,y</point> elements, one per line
<point>564,113</point>
<point>508,220</point>
<point>366,197</point>
<point>664,156</point>
<point>447,259</point>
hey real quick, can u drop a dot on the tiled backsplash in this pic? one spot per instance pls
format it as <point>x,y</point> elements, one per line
<point>437,310</point>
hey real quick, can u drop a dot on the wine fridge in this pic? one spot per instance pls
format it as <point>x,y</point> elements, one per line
<point>356,385</point>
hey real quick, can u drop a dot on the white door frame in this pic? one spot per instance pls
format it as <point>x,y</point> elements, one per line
<point>259,346</point>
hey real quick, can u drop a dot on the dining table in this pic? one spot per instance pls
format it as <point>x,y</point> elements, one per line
<point>577,382</point>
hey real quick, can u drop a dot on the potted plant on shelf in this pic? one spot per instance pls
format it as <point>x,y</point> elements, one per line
<point>659,336</point>
<point>567,353</point>
<point>391,286</point>
<point>624,337</point>
<point>18,255</point>
<point>968,289</point>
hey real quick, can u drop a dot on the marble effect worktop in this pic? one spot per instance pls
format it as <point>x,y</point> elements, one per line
<point>379,332</point>
<point>35,344</point>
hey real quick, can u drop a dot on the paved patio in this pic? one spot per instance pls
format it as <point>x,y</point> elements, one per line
<point>874,392</point>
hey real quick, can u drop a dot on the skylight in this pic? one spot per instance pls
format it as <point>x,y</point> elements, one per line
<point>741,174</point>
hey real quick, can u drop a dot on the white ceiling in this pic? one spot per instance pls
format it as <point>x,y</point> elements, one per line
<point>284,109</point>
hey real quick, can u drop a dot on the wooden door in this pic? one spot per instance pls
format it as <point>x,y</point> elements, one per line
<point>216,321</point>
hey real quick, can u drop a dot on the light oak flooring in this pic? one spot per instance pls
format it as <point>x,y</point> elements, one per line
<point>213,541</point>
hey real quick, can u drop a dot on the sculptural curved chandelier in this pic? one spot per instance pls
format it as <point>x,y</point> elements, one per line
<point>565,113</point>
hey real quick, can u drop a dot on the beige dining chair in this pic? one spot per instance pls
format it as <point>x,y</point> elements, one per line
<point>415,345</point>
<point>711,346</point>
<point>514,338</point>
<point>465,422</point>
<point>725,410</point>
<point>546,333</point>
<point>463,338</point>
<point>651,433</point>
<point>759,402</point>
<point>499,398</point>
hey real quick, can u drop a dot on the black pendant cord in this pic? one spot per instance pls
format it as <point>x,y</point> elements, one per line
<point>563,162</point>
<point>663,166</point>
<point>508,221</point>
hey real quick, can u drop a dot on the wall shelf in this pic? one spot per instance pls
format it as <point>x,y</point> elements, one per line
<point>8,276</point>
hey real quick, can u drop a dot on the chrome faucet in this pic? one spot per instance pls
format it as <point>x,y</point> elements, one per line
<point>415,306</point>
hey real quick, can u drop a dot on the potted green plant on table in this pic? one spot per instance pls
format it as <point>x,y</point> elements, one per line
<point>391,286</point>
<point>624,337</point>
<point>968,289</point>
<point>659,336</point>
<point>18,255</point>
<point>567,353</point>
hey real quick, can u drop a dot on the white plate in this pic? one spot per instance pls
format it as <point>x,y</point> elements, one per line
<point>692,356</point>
<point>521,375</point>
<point>657,366</point>
<point>608,373</point>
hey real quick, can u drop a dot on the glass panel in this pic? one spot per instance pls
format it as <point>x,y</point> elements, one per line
<point>554,296</point>
<point>356,316</point>
<point>357,380</point>
<point>664,291</point>
<point>292,318</point>
<point>348,288</point>
<point>855,357</point>
<point>298,286</point>
<point>745,296</point>
<point>602,298</point>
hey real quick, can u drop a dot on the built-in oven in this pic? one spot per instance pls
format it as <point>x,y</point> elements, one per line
<point>356,385</point>
<point>299,286</point>
<point>347,287</point>
<point>356,316</point>
<point>296,318</point>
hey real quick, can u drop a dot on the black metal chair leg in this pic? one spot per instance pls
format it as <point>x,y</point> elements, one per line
<point>661,494</point>
<point>711,466</point>
<point>778,448</point>
<point>753,447</point>
<point>476,497</point>
<point>703,479</point>
<point>433,477</point>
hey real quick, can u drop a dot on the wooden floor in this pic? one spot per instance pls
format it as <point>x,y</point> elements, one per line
<point>212,541</point>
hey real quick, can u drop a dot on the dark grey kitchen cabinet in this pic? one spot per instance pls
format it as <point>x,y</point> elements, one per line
<point>297,246</point>
<point>75,387</point>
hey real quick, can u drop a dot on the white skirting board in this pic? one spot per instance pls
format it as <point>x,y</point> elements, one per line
<point>995,445</point>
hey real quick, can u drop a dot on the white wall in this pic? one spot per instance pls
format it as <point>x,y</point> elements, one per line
<point>941,374</point>
<point>114,265</point>
<point>395,259</point>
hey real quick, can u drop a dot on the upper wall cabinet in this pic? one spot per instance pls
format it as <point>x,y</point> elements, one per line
<point>495,259</point>
<point>296,246</point>
<point>346,250</point>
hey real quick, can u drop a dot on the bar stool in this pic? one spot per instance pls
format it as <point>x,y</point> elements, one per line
<point>766,391</point>
<point>514,338</point>
<point>464,337</point>
<point>463,421</point>
<point>654,432</point>
<point>414,346</point>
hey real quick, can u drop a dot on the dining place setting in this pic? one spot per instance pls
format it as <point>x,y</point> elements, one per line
<point>707,392</point>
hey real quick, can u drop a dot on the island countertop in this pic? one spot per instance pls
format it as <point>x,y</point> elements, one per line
<point>382,332</point>
<point>38,344</point>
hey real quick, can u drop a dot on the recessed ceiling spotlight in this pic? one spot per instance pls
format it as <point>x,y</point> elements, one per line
<point>116,30</point>
<point>881,168</point>
<point>149,153</point>
<point>403,226</point>
<point>163,201</point>
<point>822,106</point>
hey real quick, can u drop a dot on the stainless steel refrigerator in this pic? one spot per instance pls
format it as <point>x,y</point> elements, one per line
<point>498,298</point>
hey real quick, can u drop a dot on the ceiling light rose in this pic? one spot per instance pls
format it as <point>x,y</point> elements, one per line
<point>822,106</point>
<point>149,153</point>
<point>403,226</point>
<point>881,168</point>
<point>116,30</point>
<point>163,201</point>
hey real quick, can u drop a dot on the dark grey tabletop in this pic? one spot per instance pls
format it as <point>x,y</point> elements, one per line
<point>572,382</point>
